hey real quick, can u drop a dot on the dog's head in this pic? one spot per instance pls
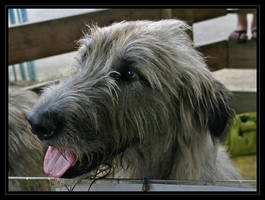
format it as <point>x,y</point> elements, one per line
<point>135,83</point>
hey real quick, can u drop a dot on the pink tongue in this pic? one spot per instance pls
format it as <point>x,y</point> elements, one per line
<point>55,164</point>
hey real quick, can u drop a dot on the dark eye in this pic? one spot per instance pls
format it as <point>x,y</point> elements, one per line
<point>84,56</point>
<point>131,74</point>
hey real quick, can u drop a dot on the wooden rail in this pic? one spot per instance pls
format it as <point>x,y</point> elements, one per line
<point>225,54</point>
<point>37,40</point>
<point>245,10</point>
<point>242,83</point>
<point>52,37</point>
<point>193,15</point>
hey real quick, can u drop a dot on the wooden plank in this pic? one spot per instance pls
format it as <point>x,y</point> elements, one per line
<point>37,88</point>
<point>166,13</point>
<point>238,79</point>
<point>242,10</point>
<point>52,37</point>
<point>242,55</point>
<point>225,54</point>
<point>38,40</point>
<point>113,187</point>
<point>191,15</point>
<point>243,85</point>
<point>244,101</point>
<point>215,54</point>
<point>48,38</point>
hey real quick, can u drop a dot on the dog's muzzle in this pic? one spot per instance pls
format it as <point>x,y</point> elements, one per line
<point>44,125</point>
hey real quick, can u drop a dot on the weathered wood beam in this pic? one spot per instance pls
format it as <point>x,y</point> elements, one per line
<point>225,54</point>
<point>244,101</point>
<point>242,55</point>
<point>215,54</point>
<point>192,15</point>
<point>243,85</point>
<point>48,38</point>
<point>241,10</point>
<point>37,40</point>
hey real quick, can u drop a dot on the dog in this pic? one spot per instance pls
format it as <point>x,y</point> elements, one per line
<point>25,150</point>
<point>140,103</point>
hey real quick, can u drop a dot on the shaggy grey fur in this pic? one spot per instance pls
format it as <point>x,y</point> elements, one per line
<point>142,102</point>
<point>25,151</point>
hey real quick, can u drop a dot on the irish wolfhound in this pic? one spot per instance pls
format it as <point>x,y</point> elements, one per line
<point>141,103</point>
<point>25,151</point>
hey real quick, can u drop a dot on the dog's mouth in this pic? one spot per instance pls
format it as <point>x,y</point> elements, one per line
<point>56,164</point>
<point>66,165</point>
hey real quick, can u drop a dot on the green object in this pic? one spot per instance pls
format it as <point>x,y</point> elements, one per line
<point>242,136</point>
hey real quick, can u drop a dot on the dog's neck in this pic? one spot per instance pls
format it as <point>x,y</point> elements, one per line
<point>179,162</point>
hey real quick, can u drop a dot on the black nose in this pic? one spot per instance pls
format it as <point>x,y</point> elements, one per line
<point>44,125</point>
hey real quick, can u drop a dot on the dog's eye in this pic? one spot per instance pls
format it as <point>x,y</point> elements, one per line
<point>131,74</point>
<point>84,56</point>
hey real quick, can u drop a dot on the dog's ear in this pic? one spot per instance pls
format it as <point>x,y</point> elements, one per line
<point>204,104</point>
<point>221,113</point>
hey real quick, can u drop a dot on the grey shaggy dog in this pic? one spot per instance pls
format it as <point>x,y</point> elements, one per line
<point>141,103</point>
<point>25,151</point>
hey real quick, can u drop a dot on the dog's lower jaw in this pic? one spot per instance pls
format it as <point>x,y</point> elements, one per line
<point>83,167</point>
